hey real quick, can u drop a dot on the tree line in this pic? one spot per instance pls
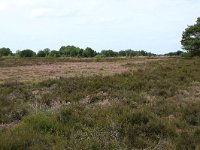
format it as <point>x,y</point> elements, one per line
<point>73,51</point>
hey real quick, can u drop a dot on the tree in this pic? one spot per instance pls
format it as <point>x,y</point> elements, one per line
<point>70,51</point>
<point>191,39</point>
<point>89,52</point>
<point>26,53</point>
<point>54,53</point>
<point>130,53</point>
<point>177,53</point>
<point>109,53</point>
<point>5,52</point>
<point>122,53</point>
<point>43,53</point>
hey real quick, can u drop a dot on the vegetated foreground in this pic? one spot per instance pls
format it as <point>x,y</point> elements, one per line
<point>151,105</point>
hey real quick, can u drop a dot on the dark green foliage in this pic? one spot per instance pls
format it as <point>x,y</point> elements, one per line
<point>89,52</point>
<point>177,53</point>
<point>132,53</point>
<point>5,52</point>
<point>54,53</point>
<point>191,39</point>
<point>43,53</point>
<point>109,53</point>
<point>26,53</point>
<point>71,51</point>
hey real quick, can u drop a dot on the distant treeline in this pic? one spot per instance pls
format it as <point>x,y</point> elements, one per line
<point>73,51</point>
<point>178,53</point>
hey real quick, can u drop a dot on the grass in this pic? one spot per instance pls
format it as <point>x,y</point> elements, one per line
<point>15,61</point>
<point>37,73</point>
<point>154,105</point>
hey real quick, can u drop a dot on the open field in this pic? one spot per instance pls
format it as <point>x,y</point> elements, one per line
<point>59,70</point>
<point>123,103</point>
<point>35,71</point>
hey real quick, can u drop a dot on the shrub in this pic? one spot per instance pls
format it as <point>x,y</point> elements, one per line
<point>26,53</point>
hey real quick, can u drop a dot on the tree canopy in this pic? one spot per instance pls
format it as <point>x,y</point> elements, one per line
<point>177,53</point>
<point>109,53</point>
<point>5,52</point>
<point>191,39</point>
<point>89,52</point>
<point>43,53</point>
<point>26,53</point>
<point>54,53</point>
<point>71,51</point>
<point>132,53</point>
<point>74,51</point>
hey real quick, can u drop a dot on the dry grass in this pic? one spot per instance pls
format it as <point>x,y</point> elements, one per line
<point>46,70</point>
<point>64,70</point>
<point>142,103</point>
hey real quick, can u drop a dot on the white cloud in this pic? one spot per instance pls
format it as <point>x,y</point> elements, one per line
<point>28,3</point>
<point>105,19</point>
<point>3,6</point>
<point>49,12</point>
<point>39,12</point>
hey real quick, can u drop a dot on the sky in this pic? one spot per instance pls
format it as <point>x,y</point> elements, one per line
<point>152,25</point>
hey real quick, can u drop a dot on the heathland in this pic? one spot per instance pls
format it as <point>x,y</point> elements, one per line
<point>100,103</point>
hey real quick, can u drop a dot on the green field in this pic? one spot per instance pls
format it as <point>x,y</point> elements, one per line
<point>105,103</point>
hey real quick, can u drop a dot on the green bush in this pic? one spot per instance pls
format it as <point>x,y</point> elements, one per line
<point>26,53</point>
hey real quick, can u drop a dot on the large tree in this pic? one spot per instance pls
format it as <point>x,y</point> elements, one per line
<point>5,52</point>
<point>43,53</point>
<point>109,53</point>
<point>191,39</point>
<point>26,53</point>
<point>71,51</point>
<point>54,53</point>
<point>89,52</point>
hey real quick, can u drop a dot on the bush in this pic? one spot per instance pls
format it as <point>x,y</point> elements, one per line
<point>26,53</point>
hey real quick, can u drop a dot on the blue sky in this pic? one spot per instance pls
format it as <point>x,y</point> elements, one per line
<point>152,25</point>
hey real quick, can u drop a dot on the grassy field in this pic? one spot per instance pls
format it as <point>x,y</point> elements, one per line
<point>115,103</point>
